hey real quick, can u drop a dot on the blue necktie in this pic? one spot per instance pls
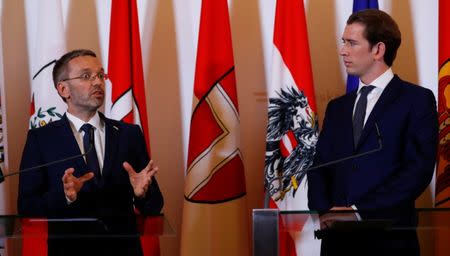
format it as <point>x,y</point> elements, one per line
<point>91,157</point>
<point>360,113</point>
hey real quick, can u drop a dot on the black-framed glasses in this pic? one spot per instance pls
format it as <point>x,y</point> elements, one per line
<point>88,77</point>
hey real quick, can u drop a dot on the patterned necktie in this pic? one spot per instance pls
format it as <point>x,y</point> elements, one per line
<point>360,113</point>
<point>91,157</point>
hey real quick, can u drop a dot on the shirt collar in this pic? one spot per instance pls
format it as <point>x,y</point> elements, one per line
<point>77,123</point>
<point>380,82</point>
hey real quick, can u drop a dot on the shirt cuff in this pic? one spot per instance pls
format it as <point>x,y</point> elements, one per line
<point>356,213</point>
<point>69,201</point>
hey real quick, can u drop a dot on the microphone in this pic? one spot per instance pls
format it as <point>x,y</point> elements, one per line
<point>91,147</point>
<point>380,147</point>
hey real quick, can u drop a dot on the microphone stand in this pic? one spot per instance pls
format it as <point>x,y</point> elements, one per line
<point>380,147</point>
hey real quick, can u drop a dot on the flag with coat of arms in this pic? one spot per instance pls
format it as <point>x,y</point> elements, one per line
<point>292,128</point>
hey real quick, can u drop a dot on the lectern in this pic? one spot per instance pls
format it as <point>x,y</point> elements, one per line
<point>268,224</point>
<point>13,227</point>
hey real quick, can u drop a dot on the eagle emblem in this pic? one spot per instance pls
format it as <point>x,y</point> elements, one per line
<point>292,133</point>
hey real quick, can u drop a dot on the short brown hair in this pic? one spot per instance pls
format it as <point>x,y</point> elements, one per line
<point>60,68</point>
<point>379,27</point>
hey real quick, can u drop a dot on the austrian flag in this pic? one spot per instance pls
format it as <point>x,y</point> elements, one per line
<point>292,128</point>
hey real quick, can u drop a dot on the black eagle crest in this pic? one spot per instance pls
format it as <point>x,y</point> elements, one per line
<point>289,111</point>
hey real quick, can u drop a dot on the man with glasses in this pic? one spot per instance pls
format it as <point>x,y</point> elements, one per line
<point>112,178</point>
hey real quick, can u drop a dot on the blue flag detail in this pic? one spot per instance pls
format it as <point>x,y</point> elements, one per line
<point>359,5</point>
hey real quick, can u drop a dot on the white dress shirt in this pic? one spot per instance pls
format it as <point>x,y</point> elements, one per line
<point>380,83</point>
<point>99,135</point>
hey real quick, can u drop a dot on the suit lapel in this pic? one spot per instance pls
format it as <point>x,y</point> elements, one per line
<point>390,93</point>
<point>111,142</point>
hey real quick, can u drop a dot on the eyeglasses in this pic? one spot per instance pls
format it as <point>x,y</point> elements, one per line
<point>89,77</point>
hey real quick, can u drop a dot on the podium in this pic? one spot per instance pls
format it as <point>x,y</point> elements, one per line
<point>12,226</point>
<point>15,228</point>
<point>270,224</point>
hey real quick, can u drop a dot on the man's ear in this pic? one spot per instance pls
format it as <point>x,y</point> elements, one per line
<point>63,90</point>
<point>378,51</point>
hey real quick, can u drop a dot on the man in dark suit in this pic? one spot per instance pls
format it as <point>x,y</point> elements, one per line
<point>385,184</point>
<point>109,182</point>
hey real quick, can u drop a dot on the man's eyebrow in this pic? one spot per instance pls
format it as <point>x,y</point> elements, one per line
<point>349,40</point>
<point>90,70</point>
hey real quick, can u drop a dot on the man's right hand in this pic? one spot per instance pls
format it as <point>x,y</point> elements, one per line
<point>347,214</point>
<point>72,184</point>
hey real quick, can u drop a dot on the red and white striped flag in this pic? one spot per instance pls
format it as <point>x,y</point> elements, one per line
<point>49,44</point>
<point>125,97</point>
<point>292,129</point>
<point>125,67</point>
<point>215,219</point>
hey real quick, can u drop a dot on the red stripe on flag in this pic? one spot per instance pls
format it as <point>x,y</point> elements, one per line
<point>284,150</point>
<point>129,118</point>
<point>214,212</point>
<point>286,245</point>
<point>125,59</point>
<point>214,67</point>
<point>215,49</point>
<point>227,175</point>
<point>291,39</point>
<point>444,35</point>
<point>125,71</point>
<point>32,106</point>
<point>288,144</point>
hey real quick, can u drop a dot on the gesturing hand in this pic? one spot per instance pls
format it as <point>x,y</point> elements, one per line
<point>140,181</point>
<point>72,184</point>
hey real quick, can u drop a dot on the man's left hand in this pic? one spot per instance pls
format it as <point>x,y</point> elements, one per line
<point>140,180</point>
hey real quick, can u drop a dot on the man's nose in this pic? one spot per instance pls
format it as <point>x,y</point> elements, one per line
<point>343,50</point>
<point>98,82</point>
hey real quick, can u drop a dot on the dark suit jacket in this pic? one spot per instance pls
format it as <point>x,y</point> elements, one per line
<point>384,184</point>
<point>41,191</point>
